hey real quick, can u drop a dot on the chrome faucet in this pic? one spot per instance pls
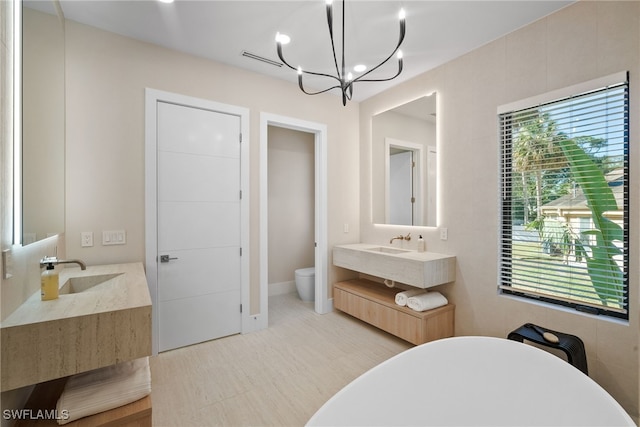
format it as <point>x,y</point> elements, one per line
<point>55,261</point>
<point>400,237</point>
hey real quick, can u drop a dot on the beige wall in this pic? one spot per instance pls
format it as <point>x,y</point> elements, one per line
<point>106,78</point>
<point>584,41</point>
<point>291,162</point>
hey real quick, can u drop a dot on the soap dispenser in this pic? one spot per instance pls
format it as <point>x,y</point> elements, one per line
<point>49,283</point>
<point>421,244</point>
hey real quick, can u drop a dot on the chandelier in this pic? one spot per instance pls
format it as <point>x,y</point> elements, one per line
<point>344,80</point>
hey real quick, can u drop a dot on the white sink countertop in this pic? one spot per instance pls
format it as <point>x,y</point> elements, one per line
<point>419,269</point>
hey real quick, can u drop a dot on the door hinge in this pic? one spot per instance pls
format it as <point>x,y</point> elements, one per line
<point>240,251</point>
<point>240,194</point>
<point>240,308</point>
<point>240,137</point>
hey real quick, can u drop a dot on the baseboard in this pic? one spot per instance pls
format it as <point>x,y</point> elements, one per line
<point>282,288</point>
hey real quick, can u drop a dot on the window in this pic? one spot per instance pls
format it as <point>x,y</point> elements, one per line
<point>565,198</point>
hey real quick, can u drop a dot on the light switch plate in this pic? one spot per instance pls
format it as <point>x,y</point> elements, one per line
<point>114,237</point>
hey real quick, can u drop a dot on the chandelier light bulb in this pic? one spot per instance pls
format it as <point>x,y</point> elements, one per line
<point>399,54</point>
<point>329,2</point>
<point>282,38</point>
<point>402,14</point>
<point>299,70</point>
<point>359,68</point>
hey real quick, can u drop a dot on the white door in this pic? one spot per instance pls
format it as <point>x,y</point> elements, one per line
<point>401,188</point>
<point>198,157</point>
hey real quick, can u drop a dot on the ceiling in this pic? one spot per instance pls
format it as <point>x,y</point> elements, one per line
<point>437,31</point>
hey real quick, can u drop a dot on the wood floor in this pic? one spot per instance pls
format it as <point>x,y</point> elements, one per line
<point>275,377</point>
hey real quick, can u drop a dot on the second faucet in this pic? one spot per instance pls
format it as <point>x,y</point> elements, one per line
<point>400,237</point>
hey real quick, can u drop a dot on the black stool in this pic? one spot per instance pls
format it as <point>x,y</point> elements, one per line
<point>570,344</point>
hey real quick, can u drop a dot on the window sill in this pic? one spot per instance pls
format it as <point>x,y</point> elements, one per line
<point>543,304</point>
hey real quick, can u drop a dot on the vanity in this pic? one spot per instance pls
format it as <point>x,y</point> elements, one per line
<point>102,317</point>
<point>374,303</point>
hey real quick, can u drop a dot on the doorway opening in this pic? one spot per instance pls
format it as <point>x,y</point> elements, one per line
<point>322,303</point>
<point>291,176</point>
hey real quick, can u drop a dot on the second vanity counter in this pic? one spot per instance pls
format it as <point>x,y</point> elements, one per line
<point>102,317</point>
<point>419,269</point>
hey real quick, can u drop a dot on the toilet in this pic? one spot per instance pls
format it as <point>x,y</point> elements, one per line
<point>306,283</point>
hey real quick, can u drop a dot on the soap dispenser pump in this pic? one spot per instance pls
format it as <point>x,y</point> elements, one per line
<point>421,244</point>
<point>49,283</point>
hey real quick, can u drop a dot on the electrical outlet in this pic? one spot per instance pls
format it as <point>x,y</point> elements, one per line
<point>86,239</point>
<point>444,233</point>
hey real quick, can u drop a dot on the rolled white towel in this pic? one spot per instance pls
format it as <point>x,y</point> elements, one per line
<point>104,389</point>
<point>426,301</point>
<point>402,297</point>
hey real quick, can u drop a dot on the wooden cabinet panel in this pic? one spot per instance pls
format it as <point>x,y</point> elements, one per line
<point>374,304</point>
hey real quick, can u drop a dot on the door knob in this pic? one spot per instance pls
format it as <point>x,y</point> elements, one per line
<point>166,258</point>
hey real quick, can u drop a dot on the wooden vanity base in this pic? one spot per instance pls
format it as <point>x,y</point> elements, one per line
<point>375,304</point>
<point>45,396</point>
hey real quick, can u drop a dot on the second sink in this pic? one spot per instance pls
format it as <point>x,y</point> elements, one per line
<point>419,269</point>
<point>388,250</point>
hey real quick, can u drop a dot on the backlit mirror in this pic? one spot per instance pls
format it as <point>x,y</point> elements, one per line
<point>404,174</point>
<point>43,121</point>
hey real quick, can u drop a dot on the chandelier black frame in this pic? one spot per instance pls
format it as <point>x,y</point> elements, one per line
<point>344,80</point>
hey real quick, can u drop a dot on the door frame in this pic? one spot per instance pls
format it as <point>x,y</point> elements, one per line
<point>322,303</point>
<point>152,97</point>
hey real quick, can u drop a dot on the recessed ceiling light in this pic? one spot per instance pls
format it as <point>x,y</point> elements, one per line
<point>359,68</point>
<point>166,1</point>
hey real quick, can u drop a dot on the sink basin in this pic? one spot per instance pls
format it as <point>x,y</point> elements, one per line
<point>387,250</point>
<point>419,269</point>
<point>86,283</point>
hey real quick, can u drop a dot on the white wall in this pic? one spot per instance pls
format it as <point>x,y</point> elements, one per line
<point>584,41</point>
<point>291,166</point>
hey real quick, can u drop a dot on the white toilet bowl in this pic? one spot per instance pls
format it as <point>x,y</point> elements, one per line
<point>306,283</point>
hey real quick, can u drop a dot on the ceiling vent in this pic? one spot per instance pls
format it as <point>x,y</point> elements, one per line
<point>261,58</point>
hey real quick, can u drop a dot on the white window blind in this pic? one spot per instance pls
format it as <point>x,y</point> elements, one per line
<point>565,200</point>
